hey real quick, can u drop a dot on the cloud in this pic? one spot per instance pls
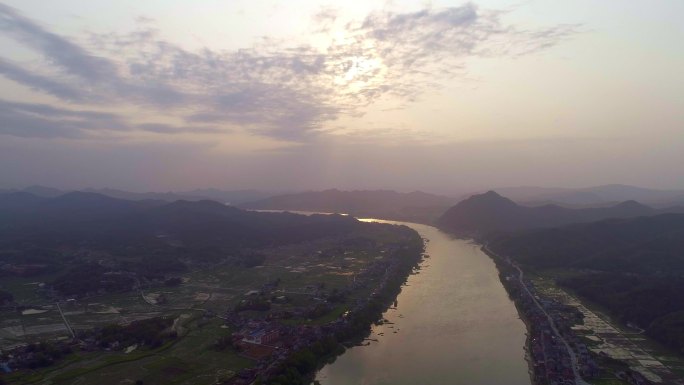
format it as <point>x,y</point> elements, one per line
<point>73,58</point>
<point>41,83</point>
<point>325,19</point>
<point>45,121</point>
<point>419,49</point>
<point>35,120</point>
<point>275,88</point>
<point>171,129</point>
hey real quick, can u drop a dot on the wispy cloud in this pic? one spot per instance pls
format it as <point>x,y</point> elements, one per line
<point>35,120</point>
<point>274,88</point>
<point>70,56</point>
<point>45,121</point>
<point>40,83</point>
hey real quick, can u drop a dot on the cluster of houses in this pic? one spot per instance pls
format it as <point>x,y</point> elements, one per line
<point>549,355</point>
<point>33,356</point>
<point>265,339</point>
<point>633,377</point>
<point>270,342</point>
<point>551,359</point>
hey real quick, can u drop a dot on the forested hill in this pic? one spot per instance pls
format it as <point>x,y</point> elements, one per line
<point>489,213</point>
<point>415,206</point>
<point>101,244</point>
<point>633,267</point>
<point>201,229</point>
<point>653,245</point>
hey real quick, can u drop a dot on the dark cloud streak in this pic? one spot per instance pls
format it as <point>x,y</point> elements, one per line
<point>35,120</point>
<point>44,121</point>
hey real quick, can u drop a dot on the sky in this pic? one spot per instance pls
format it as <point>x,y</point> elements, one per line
<point>440,96</point>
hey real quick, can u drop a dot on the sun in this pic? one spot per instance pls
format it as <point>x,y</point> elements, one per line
<point>356,73</point>
<point>361,67</point>
<point>353,61</point>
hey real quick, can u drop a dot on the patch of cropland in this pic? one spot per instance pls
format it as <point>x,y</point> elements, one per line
<point>633,267</point>
<point>109,291</point>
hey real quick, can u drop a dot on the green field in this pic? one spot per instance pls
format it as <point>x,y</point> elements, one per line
<point>190,358</point>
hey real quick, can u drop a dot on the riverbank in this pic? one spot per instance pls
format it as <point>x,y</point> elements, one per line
<point>545,315</point>
<point>454,324</point>
<point>503,270</point>
<point>331,340</point>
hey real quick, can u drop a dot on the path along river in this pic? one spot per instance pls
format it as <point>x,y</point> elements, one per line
<point>453,324</point>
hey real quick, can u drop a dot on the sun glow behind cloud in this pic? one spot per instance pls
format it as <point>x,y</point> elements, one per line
<point>361,92</point>
<point>279,89</point>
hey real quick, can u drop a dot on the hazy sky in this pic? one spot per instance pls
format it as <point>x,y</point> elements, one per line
<point>433,95</point>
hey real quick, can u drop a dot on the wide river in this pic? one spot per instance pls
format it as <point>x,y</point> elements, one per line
<point>453,324</point>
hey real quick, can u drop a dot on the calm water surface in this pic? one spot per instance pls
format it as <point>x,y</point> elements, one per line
<point>454,324</point>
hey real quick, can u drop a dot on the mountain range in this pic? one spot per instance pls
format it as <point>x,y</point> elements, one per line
<point>90,218</point>
<point>595,196</point>
<point>233,197</point>
<point>415,206</point>
<point>488,213</point>
<point>587,197</point>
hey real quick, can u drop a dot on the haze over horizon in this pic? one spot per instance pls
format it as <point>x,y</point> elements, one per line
<point>441,96</point>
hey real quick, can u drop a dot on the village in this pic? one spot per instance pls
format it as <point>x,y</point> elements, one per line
<point>270,342</point>
<point>316,296</point>
<point>557,351</point>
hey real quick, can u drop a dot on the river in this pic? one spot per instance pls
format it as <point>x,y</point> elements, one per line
<point>453,324</point>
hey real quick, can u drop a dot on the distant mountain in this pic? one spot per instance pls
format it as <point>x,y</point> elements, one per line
<point>85,236</point>
<point>570,199</point>
<point>415,206</point>
<point>43,191</point>
<point>18,200</point>
<point>89,218</point>
<point>619,192</point>
<point>592,196</point>
<point>128,195</point>
<point>533,195</point>
<point>490,213</point>
<point>80,205</point>
<point>24,209</point>
<point>232,197</point>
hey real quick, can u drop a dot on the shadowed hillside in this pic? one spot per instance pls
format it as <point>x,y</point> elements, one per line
<point>633,267</point>
<point>97,218</point>
<point>151,237</point>
<point>636,245</point>
<point>491,213</point>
